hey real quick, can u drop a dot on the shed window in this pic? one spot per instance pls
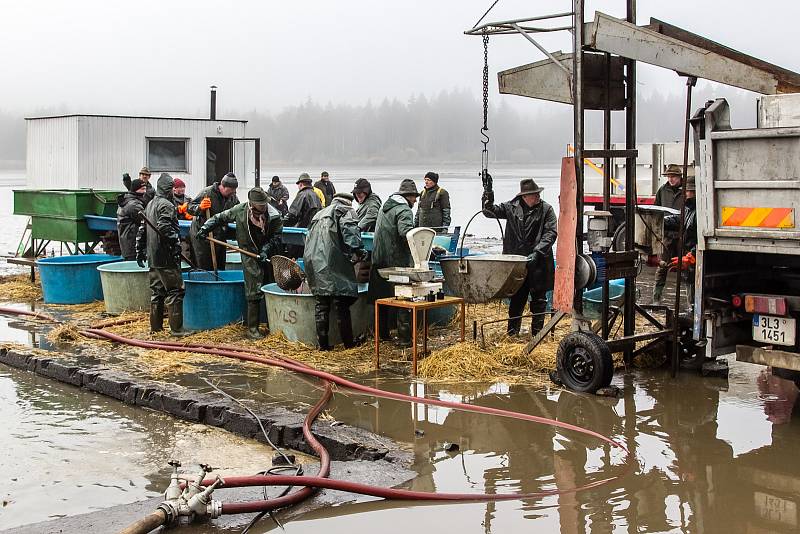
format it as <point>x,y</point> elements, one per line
<point>167,155</point>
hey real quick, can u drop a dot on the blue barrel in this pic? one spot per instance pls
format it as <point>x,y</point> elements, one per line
<point>211,302</point>
<point>72,279</point>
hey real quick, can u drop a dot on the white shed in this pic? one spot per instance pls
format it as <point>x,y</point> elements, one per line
<point>77,151</point>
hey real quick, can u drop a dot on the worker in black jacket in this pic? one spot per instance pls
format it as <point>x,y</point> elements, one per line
<point>144,175</point>
<point>216,198</point>
<point>531,230</point>
<point>129,218</point>
<point>325,185</point>
<point>161,247</point>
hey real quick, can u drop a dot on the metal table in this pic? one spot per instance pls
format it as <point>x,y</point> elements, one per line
<point>423,306</point>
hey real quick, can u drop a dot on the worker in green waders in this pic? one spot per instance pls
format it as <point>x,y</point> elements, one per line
<point>258,230</point>
<point>333,246</point>
<point>390,249</point>
<point>158,242</point>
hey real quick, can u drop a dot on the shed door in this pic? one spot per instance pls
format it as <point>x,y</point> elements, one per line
<point>247,161</point>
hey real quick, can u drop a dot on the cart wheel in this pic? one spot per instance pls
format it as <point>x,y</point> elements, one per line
<point>618,241</point>
<point>584,362</point>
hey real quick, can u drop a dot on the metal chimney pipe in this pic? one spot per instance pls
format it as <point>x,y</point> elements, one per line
<point>213,114</point>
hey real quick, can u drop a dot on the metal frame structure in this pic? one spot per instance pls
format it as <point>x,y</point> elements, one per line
<point>576,78</point>
<point>601,51</point>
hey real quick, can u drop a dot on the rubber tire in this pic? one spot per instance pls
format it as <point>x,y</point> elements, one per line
<point>594,352</point>
<point>618,241</point>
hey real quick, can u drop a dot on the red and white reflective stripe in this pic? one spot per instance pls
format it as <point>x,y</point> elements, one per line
<point>765,304</point>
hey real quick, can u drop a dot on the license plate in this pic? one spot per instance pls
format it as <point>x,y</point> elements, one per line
<point>775,509</point>
<point>775,330</point>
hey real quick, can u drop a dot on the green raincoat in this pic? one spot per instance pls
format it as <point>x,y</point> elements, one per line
<point>390,248</point>
<point>332,238</point>
<point>252,239</point>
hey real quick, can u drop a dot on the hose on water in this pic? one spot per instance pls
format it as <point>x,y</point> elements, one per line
<point>311,484</point>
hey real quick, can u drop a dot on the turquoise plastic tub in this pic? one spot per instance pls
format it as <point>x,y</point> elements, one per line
<point>211,303</point>
<point>72,279</point>
<point>293,314</point>
<point>126,286</point>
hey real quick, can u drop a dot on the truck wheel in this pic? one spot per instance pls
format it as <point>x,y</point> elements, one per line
<point>618,241</point>
<point>584,362</point>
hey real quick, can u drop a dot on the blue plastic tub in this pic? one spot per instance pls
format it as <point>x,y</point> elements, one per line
<point>72,279</point>
<point>211,303</point>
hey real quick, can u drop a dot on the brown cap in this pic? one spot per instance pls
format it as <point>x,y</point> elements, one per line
<point>672,169</point>
<point>528,187</point>
<point>144,170</point>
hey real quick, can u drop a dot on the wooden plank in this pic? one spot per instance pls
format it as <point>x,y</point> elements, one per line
<point>564,290</point>
<point>788,81</point>
<point>609,34</point>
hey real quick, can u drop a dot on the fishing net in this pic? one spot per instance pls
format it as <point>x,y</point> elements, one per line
<point>288,275</point>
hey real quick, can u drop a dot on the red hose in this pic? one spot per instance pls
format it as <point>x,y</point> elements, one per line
<point>365,389</point>
<point>376,491</point>
<point>311,483</point>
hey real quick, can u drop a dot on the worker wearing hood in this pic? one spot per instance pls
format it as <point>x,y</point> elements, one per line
<point>333,245</point>
<point>390,249</point>
<point>161,247</point>
<point>369,204</point>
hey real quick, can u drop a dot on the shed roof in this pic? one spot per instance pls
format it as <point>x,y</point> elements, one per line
<point>133,117</point>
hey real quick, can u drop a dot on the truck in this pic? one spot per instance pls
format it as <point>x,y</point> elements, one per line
<point>747,276</point>
<point>651,162</point>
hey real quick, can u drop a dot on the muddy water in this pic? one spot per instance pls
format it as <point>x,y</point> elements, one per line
<point>711,455</point>
<point>67,451</point>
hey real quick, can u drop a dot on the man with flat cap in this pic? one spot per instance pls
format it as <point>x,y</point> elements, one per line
<point>333,245</point>
<point>669,195</point>
<point>305,205</point>
<point>279,195</point>
<point>390,249</point>
<point>531,230</point>
<point>214,199</point>
<point>325,185</point>
<point>258,230</point>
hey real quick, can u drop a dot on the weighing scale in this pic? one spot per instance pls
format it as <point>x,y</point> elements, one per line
<point>414,283</point>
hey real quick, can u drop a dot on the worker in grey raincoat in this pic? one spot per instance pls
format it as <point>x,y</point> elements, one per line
<point>333,245</point>
<point>258,230</point>
<point>161,247</point>
<point>214,199</point>
<point>531,230</point>
<point>390,249</point>
<point>129,218</point>
<point>369,204</point>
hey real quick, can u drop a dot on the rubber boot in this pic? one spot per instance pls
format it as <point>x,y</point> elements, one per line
<point>404,328</point>
<point>322,335</point>
<point>253,319</point>
<point>345,325</point>
<point>156,317</point>
<point>176,320</point>
<point>538,308</point>
<point>658,291</point>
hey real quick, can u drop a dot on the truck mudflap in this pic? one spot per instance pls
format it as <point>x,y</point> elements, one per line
<point>772,357</point>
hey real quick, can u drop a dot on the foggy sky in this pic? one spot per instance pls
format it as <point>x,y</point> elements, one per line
<point>159,57</point>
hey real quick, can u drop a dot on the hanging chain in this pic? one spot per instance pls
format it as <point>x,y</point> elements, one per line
<point>485,176</point>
